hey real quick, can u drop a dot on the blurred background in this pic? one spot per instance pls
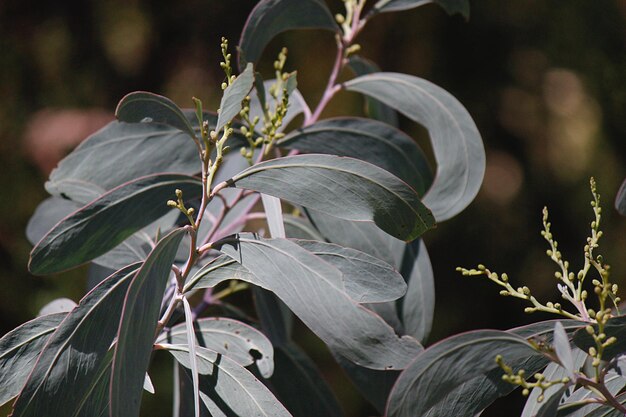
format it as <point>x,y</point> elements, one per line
<point>545,81</point>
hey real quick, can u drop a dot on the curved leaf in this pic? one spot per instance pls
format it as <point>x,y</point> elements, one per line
<point>275,317</point>
<point>457,144</point>
<point>418,305</point>
<point>451,6</point>
<point>19,350</point>
<point>234,339</point>
<point>142,106</point>
<point>373,108</point>
<point>138,326</point>
<point>228,389</point>
<point>367,140</point>
<point>299,385</point>
<point>230,106</point>
<point>614,384</point>
<point>66,372</point>
<point>271,17</point>
<point>108,220</point>
<point>563,349</point>
<point>435,372</point>
<point>550,407</point>
<point>310,288</point>
<point>342,187</point>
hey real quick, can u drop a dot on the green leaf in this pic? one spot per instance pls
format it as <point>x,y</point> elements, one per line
<point>615,327</point>
<point>418,305</point>
<point>193,365</point>
<point>319,300</point>
<point>456,142</point>
<point>299,385</point>
<point>450,6</point>
<point>230,106</point>
<point>145,107</point>
<point>234,339</point>
<point>68,368</point>
<point>446,365</point>
<point>228,389</point>
<point>275,317</point>
<point>106,222</point>
<point>373,108</point>
<point>341,187</point>
<point>271,17</point>
<point>19,350</point>
<point>138,326</point>
<point>614,384</point>
<point>367,140</point>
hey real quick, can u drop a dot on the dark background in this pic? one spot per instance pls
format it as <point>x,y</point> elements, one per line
<point>545,81</point>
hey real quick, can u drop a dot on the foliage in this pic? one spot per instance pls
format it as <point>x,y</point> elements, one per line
<point>158,201</point>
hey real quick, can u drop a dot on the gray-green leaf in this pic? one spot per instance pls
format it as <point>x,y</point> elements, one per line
<point>138,326</point>
<point>343,187</point>
<point>107,221</point>
<point>142,106</point>
<point>457,144</point>
<point>450,6</point>
<point>230,106</point>
<point>271,17</point>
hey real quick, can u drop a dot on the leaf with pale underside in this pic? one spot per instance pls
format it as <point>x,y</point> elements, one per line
<point>271,17</point>
<point>19,350</point>
<point>368,140</point>
<point>142,106</point>
<point>230,106</point>
<point>239,341</point>
<point>227,388</point>
<point>137,328</point>
<point>418,305</point>
<point>106,222</point>
<point>342,187</point>
<point>442,367</point>
<point>318,299</point>
<point>457,145</point>
<point>66,373</point>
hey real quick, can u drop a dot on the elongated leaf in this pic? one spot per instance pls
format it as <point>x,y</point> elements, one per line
<point>240,342</point>
<point>142,106</point>
<point>19,350</point>
<point>365,278</point>
<point>67,369</point>
<point>310,288</point>
<point>367,140</point>
<point>107,221</point>
<point>450,6</point>
<point>300,228</point>
<point>456,142</point>
<point>444,366</point>
<point>614,384</point>
<point>374,108</point>
<point>342,187</point>
<point>299,385</point>
<point>230,105</point>
<point>563,349</point>
<point>118,153</point>
<point>418,305</point>
<point>472,397</point>
<point>228,389</point>
<point>551,405</point>
<point>193,365</point>
<point>362,277</point>
<point>274,215</point>
<point>138,326</point>
<point>271,17</point>
<point>615,327</point>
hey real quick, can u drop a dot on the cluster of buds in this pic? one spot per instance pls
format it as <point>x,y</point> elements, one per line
<point>180,205</point>
<point>519,378</point>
